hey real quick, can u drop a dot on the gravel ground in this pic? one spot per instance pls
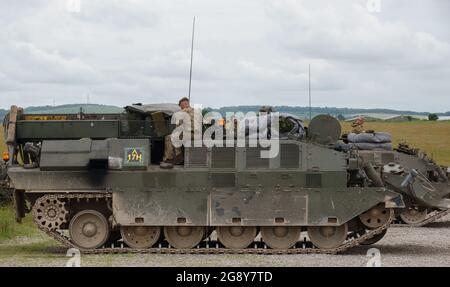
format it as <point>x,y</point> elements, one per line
<point>402,246</point>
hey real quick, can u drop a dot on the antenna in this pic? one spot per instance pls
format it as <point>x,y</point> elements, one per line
<point>192,56</point>
<point>310,110</point>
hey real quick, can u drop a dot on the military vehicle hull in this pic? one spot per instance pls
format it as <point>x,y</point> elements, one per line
<point>155,199</point>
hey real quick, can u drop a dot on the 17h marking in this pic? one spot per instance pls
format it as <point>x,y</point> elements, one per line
<point>134,156</point>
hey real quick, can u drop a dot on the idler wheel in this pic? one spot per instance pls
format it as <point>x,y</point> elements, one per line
<point>413,215</point>
<point>328,237</point>
<point>236,237</point>
<point>184,237</point>
<point>280,237</point>
<point>89,229</point>
<point>140,237</point>
<point>376,217</point>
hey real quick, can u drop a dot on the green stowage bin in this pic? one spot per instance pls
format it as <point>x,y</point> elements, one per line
<point>36,130</point>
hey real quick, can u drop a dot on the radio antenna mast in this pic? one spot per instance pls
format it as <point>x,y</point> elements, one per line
<point>310,109</point>
<point>192,56</point>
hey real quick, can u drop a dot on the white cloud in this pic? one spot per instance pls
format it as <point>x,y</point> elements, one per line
<point>39,66</point>
<point>246,52</point>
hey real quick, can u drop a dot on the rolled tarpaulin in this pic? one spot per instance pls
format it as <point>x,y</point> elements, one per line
<point>376,137</point>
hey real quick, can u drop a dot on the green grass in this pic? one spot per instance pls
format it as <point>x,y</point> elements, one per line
<point>9,228</point>
<point>2,141</point>
<point>43,246</point>
<point>431,137</point>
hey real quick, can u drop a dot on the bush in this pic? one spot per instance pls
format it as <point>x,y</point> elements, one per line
<point>433,117</point>
<point>5,195</point>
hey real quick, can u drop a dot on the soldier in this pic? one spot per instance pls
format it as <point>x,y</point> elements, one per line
<point>176,157</point>
<point>358,125</point>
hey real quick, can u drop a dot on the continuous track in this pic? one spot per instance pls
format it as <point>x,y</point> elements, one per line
<point>433,216</point>
<point>206,247</point>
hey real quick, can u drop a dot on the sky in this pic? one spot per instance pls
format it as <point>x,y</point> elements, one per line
<point>363,53</point>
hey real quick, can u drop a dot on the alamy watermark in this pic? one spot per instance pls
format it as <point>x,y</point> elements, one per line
<point>73,6</point>
<point>75,258</point>
<point>235,130</point>
<point>375,257</point>
<point>374,6</point>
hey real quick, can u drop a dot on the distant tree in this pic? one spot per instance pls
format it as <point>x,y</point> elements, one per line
<point>433,117</point>
<point>409,118</point>
<point>340,117</point>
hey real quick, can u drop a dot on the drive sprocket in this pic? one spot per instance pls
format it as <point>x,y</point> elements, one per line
<point>49,212</point>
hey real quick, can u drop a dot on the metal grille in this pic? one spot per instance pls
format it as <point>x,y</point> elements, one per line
<point>223,157</point>
<point>254,160</point>
<point>289,156</point>
<point>197,156</point>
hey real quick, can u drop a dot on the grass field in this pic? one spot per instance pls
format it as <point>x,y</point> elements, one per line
<point>9,228</point>
<point>432,137</point>
<point>2,141</point>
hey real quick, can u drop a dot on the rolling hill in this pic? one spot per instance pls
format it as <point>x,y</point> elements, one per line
<point>302,112</point>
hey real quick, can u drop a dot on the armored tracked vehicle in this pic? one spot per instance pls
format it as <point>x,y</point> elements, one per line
<point>93,182</point>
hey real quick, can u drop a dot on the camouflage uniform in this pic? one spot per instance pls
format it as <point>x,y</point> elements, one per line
<point>175,154</point>
<point>358,125</point>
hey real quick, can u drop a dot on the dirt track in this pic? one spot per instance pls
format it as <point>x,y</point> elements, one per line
<point>402,246</point>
